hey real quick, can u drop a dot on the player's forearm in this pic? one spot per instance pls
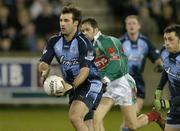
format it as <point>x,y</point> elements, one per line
<point>43,67</point>
<point>84,72</point>
<point>159,66</point>
<point>163,80</point>
<point>158,62</point>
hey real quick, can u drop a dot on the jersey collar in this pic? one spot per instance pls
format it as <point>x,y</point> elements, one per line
<point>127,36</point>
<point>76,34</point>
<point>97,35</point>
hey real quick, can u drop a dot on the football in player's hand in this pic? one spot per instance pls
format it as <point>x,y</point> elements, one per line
<point>53,85</point>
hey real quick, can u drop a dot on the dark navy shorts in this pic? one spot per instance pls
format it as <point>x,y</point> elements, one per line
<point>140,85</point>
<point>89,115</point>
<point>90,92</point>
<point>173,116</point>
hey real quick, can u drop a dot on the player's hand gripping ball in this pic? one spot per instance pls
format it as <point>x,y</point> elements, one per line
<point>53,86</point>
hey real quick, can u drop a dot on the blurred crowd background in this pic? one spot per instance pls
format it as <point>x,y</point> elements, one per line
<point>25,25</point>
<point>154,15</point>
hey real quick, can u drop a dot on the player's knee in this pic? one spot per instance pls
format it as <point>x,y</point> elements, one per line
<point>74,117</point>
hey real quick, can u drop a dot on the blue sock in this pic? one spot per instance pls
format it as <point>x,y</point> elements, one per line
<point>125,129</point>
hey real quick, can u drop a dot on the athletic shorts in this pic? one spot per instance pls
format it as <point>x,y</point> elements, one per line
<point>173,116</point>
<point>89,115</point>
<point>122,90</point>
<point>140,85</point>
<point>90,92</point>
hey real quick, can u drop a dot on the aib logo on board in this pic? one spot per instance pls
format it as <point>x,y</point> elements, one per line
<point>15,75</point>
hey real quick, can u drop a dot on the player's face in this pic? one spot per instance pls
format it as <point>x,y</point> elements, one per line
<point>172,42</point>
<point>132,26</point>
<point>67,25</point>
<point>88,31</point>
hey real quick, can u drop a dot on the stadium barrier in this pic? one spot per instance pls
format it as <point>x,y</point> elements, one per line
<point>20,82</point>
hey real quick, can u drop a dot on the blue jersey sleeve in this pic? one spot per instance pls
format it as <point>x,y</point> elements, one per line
<point>86,52</point>
<point>153,53</point>
<point>163,80</point>
<point>48,53</point>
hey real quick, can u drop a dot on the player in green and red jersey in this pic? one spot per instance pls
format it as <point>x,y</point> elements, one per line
<point>109,57</point>
<point>121,87</point>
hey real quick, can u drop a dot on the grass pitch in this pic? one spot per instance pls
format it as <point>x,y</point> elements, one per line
<point>54,118</point>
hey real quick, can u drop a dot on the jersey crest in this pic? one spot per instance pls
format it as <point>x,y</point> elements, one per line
<point>101,62</point>
<point>90,55</point>
<point>111,50</point>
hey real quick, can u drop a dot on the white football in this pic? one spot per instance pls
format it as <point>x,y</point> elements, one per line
<point>53,85</point>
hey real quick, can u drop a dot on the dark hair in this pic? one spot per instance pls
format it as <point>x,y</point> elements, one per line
<point>91,21</point>
<point>173,28</point>
<point>132,17</point>
<point>76,13</point>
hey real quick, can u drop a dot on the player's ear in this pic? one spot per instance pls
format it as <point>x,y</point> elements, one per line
<point>76,23</point>
<point>96,30</point>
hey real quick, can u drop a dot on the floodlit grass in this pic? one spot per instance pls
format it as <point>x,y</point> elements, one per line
<point>53,119</point>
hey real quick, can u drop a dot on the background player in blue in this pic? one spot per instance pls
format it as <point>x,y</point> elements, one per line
<point>75,55</point>
<point>137,48</point>
<point>171,65</point>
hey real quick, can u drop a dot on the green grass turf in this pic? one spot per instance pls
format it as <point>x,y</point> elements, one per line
<point>53,119</point>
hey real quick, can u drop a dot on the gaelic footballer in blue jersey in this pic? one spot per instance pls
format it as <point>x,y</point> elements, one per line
<point>171,65</point>
<point>138,48</point>
<point>75,55</point>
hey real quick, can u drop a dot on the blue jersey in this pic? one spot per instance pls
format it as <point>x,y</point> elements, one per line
<point>72,56</point>
<point>171,65</point>
<point>137,52</point>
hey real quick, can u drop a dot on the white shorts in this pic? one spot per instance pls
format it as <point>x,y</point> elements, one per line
<point>122,90</point>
